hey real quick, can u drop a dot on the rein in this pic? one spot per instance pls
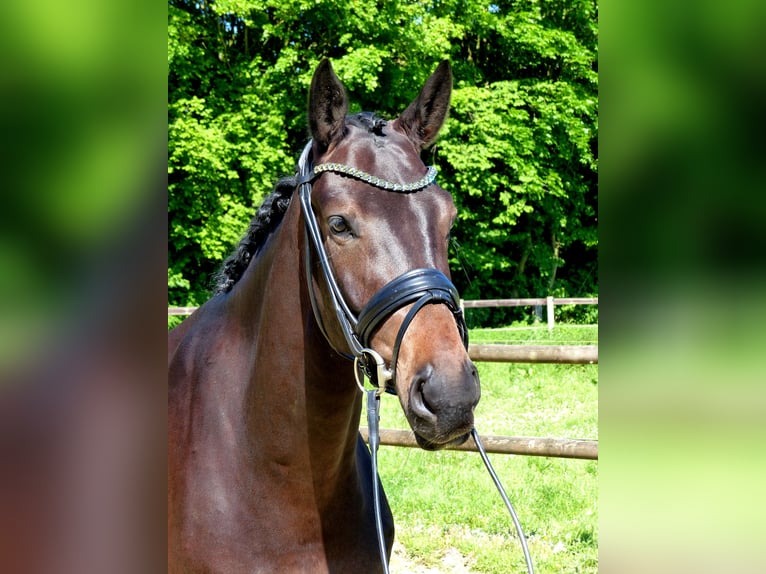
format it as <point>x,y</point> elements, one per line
<point>418,288</point>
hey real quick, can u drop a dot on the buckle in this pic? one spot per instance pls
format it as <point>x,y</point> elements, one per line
<point>371,365</point>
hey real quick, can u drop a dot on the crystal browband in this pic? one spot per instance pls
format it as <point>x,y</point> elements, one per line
<point>427,179</point>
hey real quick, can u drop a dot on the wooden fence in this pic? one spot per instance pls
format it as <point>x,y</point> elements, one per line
<point>549,302</point>
<point>569,354</point>
<point>565,354</point>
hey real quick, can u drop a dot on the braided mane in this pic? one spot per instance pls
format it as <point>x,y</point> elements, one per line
<point>266,219</point>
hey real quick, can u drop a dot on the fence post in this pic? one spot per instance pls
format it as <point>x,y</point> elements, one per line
<point>549,304</point>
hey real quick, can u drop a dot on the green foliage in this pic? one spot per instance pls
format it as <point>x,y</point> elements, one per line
<point>518,152</point>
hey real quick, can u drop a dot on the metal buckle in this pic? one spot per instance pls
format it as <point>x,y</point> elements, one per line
<point>378,376</point>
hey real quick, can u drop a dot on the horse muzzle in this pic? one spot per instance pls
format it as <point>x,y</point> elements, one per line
<point>441,402</point>
<point>437,383</point>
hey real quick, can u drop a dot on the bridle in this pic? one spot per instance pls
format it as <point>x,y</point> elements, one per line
<point>418,287</point>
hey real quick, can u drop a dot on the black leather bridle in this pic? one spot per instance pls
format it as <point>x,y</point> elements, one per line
<point>418,287</point>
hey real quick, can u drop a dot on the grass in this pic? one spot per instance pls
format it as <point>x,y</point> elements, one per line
<point>446,501</point>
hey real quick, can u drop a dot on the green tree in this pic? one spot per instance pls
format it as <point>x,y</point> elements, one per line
<point>518,152</point>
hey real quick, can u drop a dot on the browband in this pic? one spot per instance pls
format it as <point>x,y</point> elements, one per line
<point>343,169</point>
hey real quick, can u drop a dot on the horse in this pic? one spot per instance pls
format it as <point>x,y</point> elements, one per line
<point>267,471</point>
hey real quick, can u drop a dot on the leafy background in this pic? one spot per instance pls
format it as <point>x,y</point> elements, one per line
<point>518,152</point>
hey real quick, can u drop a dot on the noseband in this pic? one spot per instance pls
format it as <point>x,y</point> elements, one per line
<point>418,287</point>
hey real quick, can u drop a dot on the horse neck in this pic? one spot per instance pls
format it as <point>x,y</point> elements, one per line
<point>302,406</point>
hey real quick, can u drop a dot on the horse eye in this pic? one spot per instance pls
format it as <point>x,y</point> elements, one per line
<point>338,225</point>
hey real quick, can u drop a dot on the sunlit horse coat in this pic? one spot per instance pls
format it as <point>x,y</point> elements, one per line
<point>266,470</point>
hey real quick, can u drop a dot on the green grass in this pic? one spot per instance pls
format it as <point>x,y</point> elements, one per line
<point>446,500</point>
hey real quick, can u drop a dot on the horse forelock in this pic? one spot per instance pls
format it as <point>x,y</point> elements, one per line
<point>367,120</point>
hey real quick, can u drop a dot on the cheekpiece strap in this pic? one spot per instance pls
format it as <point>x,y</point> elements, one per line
<point>342,169</point>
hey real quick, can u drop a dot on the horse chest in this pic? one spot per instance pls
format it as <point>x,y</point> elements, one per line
<point>232,521</point>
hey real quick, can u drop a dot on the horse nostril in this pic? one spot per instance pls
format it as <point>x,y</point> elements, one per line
<point>418,400</point>
<point>423,393</point>
<point>475,385</point>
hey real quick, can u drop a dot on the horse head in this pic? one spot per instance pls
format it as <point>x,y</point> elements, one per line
<point>380,217</point>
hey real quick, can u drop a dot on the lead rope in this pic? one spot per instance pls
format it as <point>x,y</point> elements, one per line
<point>508,505</point>
<point>373,418</point>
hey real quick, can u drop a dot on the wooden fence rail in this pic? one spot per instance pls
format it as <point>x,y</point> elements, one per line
<point>565,354</point>
<point>181,310</point>
<point>531,446</point>
<point>527,302</point>
<point>549,303</point>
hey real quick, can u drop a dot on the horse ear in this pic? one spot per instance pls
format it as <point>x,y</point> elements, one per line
<point>327,105</point>
<point>423,118</point>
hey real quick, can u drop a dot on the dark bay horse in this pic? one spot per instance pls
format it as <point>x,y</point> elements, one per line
<point>266,469</point>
